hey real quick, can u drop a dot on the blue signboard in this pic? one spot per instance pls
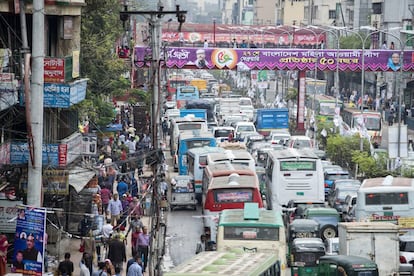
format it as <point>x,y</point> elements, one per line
<point>19,154</point>
<point>62,95</point>
<point>29,241</point>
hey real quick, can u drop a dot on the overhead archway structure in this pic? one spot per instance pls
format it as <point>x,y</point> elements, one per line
<point>274,59</point>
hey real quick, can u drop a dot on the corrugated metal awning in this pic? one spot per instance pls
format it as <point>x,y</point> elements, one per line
<point>79,177</point>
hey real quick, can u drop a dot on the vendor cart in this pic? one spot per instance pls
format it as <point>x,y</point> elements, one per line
<point>182,192</point>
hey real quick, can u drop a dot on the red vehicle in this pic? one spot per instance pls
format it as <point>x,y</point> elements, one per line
<point>172,85</point>
<point>227,186</point>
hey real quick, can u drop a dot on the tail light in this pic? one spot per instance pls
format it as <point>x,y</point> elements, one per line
<point>403,260</point>
<point>326,185</point>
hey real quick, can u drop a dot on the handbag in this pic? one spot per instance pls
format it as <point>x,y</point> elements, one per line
<point>82,248</point>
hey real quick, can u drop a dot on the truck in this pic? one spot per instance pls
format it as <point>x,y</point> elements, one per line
<point>271,119</point>
<point>197,113</point>
<point>199,83</point>
<point>377,241</point>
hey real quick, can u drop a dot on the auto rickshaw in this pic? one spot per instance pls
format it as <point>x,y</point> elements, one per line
<point>342,265</point>
<point>305,253</point>
<point>301,228</point>
<point>182,192</point>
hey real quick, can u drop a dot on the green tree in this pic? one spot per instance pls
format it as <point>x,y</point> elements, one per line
<point>101,28</point>
<point>368,167</point>
<point>353,41</point>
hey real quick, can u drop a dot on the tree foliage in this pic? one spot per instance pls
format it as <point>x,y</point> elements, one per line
<point>100,30</point>
<point>353,41</point>
<point>367,165</point>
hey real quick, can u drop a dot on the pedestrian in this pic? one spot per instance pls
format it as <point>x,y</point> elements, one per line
<point>163,187</point>
<point>135,269</point>
<point>105,197</point>
<point>201,245</point>
<point>66,266</point>
<point>391,118</point>
<point>143,246</point>
<point>89,246</point>
<point>234,43</point>
<point>101,270</point>
<point>115,210</point>
<point>83,264</point>
<point>205,43</point>
<point>131,261</point>
<point>109,267</point>
<point>134,239</point>
<point>164,126</point>
<point>122,187</point>
<point>116,252</point>
<point>135,208</point>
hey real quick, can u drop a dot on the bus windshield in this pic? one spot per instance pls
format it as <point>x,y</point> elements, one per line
<point>371,123</point>
<point>189,126</point>
<point>233,195</point>
<point>251,233</point>
<point>327,109</point>
<point>197,143</point>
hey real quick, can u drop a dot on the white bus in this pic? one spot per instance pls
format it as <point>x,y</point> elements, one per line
<point>197,160</point>
<point>232,156</point>
<point>388,199</point>
<point>293,174</point>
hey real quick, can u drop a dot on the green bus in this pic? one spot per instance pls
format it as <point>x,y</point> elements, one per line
<point>253,229</point>
<point>325,107</point>
<point>232,262</point>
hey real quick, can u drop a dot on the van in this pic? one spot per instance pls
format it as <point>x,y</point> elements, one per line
<point>243,127</point>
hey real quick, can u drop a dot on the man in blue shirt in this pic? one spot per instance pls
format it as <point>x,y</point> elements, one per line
<point>135,269</point>
<point>122,187</point>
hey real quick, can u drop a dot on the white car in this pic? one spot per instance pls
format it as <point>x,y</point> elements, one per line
<point>300,142</point>
<point>242,127</point>
<point>406,252</point>
<point>279,137</point>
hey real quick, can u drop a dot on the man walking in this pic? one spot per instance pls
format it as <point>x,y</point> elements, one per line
<point>142,247</point>
<point>135,269</point>
<point>115,209</point>
<point>116,252</point>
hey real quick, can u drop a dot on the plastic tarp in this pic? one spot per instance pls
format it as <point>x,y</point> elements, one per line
<point>79,177</point>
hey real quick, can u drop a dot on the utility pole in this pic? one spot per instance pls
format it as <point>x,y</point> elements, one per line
<point>157,224</point>
<point>34,183</point>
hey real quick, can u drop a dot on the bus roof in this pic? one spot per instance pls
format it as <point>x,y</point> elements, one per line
<point>234,262</point>
<point>293,153</point>
<point>235,217</point>
<point>234,180</point>
<point>204,150</point>
<point>388,181</point>
<point>233,145</point>
<point>188,119</point>
<point>189,134</point>
<point>349,262</point>
<point>356,111</point>
<point>230,155</point>
<point>227,168</point>
<point>326,98</point>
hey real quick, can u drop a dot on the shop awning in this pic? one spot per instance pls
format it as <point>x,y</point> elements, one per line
<point>79,177</point>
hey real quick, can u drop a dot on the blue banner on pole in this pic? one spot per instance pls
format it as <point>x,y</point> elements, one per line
<point>30,241</point>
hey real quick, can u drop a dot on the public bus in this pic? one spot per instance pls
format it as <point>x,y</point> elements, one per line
<point>196,161</point>
<point>293,174</point>
<point>232,156</point>
<point>172,85</point>
<point>234,262</point>
<point>252,229</point>
<point>371,121</point>
<point>187,123</point>
<point>227,186</point>
<point>189,140</point>
<point>325,107</point>
<point>388,199</point>
<point>185,93</point>
<point>315,86</point>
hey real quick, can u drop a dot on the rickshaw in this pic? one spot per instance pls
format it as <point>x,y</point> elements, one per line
<point>182,192</point>
<point>305,253</point>
<point>342,265</point>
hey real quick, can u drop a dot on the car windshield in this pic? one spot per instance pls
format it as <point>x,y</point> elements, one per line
<point>302,144</point>
<point>245,128</point>
<point>407,246</point>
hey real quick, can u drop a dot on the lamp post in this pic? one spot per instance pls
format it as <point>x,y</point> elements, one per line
<point>214,32</point>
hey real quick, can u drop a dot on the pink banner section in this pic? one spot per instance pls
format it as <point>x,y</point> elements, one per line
<point>279,59</point>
